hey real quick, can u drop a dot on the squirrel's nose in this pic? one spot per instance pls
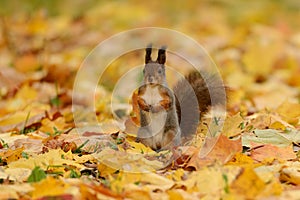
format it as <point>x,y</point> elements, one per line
<point>150,79</point>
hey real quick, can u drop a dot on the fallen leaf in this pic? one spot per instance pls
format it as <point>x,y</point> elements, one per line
<point>15,174</point>
<point>241,159</point>
<point>174,195</point>
<point>36,175</point>
<point>268,151</point>
<point>53,157</point>
<point>31,145</point>
<point>290,112</point>
<point>223,151</point>
<point>49,187</point>
<point>12,191</point>
<point>10,81</point>
<point>209,180</point>
<point>176,175</point>
<point>12,155</point>
<point>266,136</point>
<point>17,121</point>
<point>247,184</point>
<point>137,147</point>
<point>138,194</point>
<point>232,125</point>
<point>128,162</point>
<point>27,63</point>
<point>278,126</point>
<point>290,173</point>
<point>260,45</point>
<point>151,180</point>
<point>53,127</point>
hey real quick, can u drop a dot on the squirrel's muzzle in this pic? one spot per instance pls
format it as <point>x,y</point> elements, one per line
<point>150,79</point>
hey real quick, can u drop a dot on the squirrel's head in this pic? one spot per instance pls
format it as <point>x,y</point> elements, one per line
<point>154,71</point>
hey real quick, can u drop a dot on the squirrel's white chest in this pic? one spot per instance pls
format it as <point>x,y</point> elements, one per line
<point>152,95</point>
<point>157,123</point>
<point>157,120</point>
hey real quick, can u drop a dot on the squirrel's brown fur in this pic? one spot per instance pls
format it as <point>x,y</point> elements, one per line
<point>179,116</point>
<point>194,96</point>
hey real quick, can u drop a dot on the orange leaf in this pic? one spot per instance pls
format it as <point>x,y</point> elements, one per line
<point>222,152</point>
<point>271,151</point>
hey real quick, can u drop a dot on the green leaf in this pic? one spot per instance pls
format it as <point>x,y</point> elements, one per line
<point>74,174</point>
<point>22,131</point>
<point>271,136</point>
<point>55,101</point>
<point>36,175</point>
<point>226,188</point>
<point>4,144</point>
<point>78,150</point>
<point>25,155</point>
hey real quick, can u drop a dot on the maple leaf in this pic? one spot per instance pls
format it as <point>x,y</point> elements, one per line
<point>269,151</point>
<point>222,152</point>
<point>45,153</point>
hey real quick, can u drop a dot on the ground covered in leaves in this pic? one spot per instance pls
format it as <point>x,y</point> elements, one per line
<point>256,47</point>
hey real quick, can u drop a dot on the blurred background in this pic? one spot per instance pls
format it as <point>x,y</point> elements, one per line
<point>255,44</point>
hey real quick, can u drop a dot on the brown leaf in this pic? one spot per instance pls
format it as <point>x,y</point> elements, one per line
<point>31,145</point>
<point>27,63</point>
<point>55,74</point>
<point>10,80</point>
<point>222,152</point>
<point>271,151</point>
<point>67,146</point>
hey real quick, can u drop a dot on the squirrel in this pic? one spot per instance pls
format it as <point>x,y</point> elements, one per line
<point>166,116</point>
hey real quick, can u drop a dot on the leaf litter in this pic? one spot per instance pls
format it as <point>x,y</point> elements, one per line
<point>43,155</point>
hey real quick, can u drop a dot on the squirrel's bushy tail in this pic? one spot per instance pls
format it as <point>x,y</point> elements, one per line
<point>194,96</point>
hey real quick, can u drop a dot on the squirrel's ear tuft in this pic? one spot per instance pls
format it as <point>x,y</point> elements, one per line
<point>148,53</point>
<point>161,58</point>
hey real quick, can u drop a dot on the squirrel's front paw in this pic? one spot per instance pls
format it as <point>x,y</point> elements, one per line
<point>156,108</point>
<point>165,104</point>
<point>143,105</point>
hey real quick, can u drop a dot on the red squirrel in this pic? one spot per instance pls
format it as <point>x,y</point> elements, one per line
<point>167,116</point>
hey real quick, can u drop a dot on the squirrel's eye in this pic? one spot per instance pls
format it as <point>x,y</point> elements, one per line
<point>159,71</point>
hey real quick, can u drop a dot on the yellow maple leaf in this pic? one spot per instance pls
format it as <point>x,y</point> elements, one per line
<point>242,160</point>
<point>105,170</point>
<point>176,175</point>
<point>174,195</point>
<point>12,155</point>
<point>269,47</point>
<point>290,173</point>
<point>150,180</point>
<point>49,187</point>
<point>49,126</point>
<point>290,112</point>
<point>232,124</point>
<point>247,184</point>
<point>137,147</point>
<point>278,126</point>
<point>53,157</point>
